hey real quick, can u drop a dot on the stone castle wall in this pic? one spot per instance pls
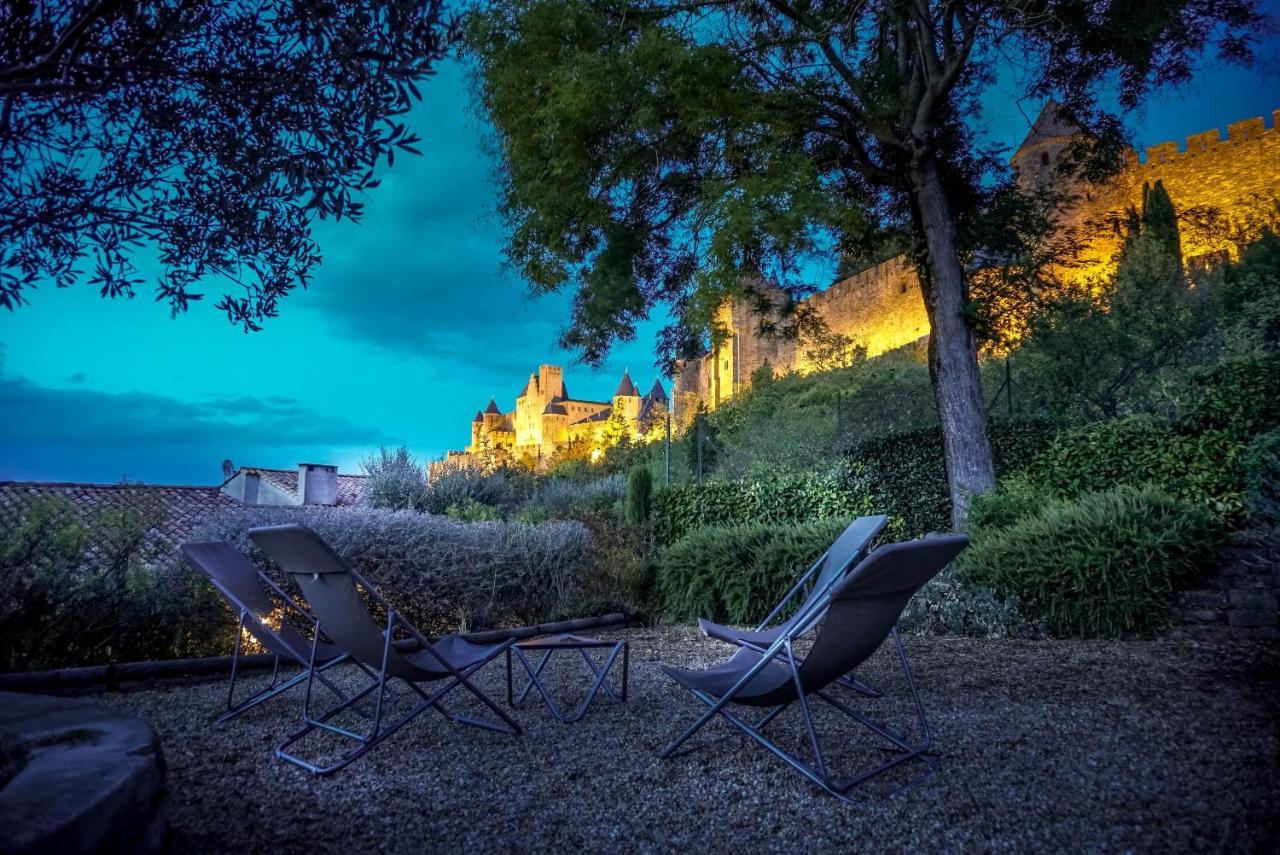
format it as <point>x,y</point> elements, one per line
<point>1236,176</point>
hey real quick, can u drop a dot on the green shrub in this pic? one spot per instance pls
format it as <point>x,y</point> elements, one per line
<point>396,481</point>
<point>564,498</point>
<point>79,589</point>
<point>1105,564</point>
<point>1261,463</point>
<point>906,476</point>
<point>456,486</point>
<point>948,606</point>
<point>469,510</point>
<point>788,498</point>
<point>1014,497</point>
<point>1240,398</point>
<point>444,574</point>
<point>639,495</point>
<point>735,574</point>
<point>1202,468</point>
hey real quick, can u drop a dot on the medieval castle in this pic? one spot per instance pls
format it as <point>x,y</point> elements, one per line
<point>1216,184</point>
<point>546,423</point>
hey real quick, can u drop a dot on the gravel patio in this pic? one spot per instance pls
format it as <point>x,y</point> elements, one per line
<point>1166,744</point>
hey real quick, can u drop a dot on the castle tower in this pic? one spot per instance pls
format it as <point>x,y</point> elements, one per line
<point>477,428</point>
<point>627,398</point>
<point>492,416</point>
<point>1035,163</point>
<point>551,382</point>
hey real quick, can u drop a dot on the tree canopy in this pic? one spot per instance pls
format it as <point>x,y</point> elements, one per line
<point>209,133</point>
<point>679,151</point>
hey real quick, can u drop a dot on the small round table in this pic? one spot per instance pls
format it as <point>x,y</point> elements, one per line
<point>549,645</point>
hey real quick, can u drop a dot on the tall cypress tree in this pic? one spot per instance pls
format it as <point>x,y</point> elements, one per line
<point>1160,220</point>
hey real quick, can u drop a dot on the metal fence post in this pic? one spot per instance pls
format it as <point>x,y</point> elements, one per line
<point>666,477</point>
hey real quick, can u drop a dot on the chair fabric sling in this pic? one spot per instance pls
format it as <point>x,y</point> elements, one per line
<point>821,576</point>
<point>247,591</point>
<point>329,586</point>
<point>862,613</point>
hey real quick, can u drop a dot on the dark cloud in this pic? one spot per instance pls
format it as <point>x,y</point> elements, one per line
<point>101,436</point>
<point>423,276</point>
<point>78,377</point>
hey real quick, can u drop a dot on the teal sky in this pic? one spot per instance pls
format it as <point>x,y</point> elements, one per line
<point>408,328</point>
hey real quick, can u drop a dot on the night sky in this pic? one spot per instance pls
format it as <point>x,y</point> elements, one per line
<point>408,328</point>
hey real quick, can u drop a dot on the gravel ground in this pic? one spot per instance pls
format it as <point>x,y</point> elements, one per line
<point>1162,745</point>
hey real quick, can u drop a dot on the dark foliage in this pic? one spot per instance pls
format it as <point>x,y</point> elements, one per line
<point>1105,564</point>
<point>905,474</point>
<point>212,132</point>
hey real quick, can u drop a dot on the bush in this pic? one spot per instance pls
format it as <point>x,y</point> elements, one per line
<point>562,498</point>
<point>1105,564</point>
<point>906,476</point>
<point>948,606</point>
<point>77,590</point>
<point>639,495</point>
<point>1013,498</point>
<point>444,574</point>
<point>678,510</point>
<point>1202,468</point>
<point>469,510</point>
<point>395,480</point>
<point>1261,463</point>
<point>735,574</point>
<point>457,486</point>
<point>1240,398</point>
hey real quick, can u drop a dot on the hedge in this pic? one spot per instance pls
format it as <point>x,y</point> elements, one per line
<point>1202,467</point>
<point>735,574</point>
<point>1240,398</point>
<point>906,476</point>
<point>797,498</point>
<point>442,573</point>
<point>1105,564</point>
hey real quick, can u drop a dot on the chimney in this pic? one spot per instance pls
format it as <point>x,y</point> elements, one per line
<point>228,469</point>
<point>317,484</point>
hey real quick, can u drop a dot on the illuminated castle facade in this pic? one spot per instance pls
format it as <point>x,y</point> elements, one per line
<point>547,422</point>
<point>1218,186</point>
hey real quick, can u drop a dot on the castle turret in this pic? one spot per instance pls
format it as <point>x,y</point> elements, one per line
<point>492,416</point>
<point>477,427</point>
<point>627,398</point>
<point>1035,163</point>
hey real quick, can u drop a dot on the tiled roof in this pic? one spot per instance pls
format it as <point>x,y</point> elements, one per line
<point>493,407</point>
<point>173,511</point>
<point>602,416</point>
<point>351,488</point>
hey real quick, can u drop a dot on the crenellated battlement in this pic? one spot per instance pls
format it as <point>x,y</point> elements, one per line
<point>1209,142</point>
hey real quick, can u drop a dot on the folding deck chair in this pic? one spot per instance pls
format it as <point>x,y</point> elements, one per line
<point>329,586</point>
<point>822,576</point>
<point>249,593</point>
<point>863,611</point>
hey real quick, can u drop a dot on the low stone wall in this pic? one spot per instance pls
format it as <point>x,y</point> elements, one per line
<point>1244,594</point>
<point>78,776</point>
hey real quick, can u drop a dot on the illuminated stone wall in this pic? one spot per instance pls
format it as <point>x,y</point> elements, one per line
<point>1236,177</point>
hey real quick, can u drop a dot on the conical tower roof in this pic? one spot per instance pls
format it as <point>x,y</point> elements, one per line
<point>493,408</point>
<point>626,388</point>
<point>1048,125</point>
<point>479,417</point>
<point>657,393</point>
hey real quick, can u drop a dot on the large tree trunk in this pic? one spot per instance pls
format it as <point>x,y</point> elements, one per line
<point>953,353</point>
